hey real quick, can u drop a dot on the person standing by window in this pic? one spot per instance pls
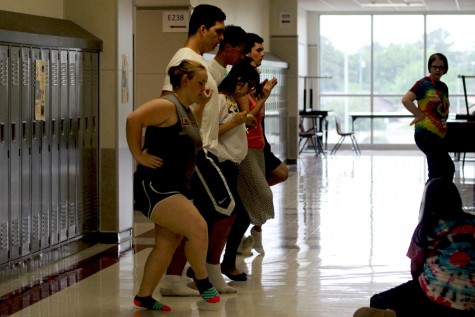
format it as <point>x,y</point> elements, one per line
<point>431,115</point>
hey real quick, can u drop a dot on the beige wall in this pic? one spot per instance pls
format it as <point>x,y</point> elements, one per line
<point>251,15</point>
<point>47,8</point>
<point>111,21</point>
<point>285,44</point>
<point>154,49</point>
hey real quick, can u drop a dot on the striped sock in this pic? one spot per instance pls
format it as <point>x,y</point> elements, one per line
<point>211,295</point>
<point>207,291</point>
<point>150,303</point>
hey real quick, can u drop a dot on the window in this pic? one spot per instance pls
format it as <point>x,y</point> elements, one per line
<point>377,61</point>
<point>448,34</point>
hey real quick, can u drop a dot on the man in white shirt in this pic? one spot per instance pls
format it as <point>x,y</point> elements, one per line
<point>206,31</point>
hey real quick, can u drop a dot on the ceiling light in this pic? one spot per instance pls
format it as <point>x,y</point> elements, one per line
<point>405,4</point>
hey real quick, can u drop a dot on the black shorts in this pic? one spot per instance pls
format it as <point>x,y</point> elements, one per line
<point>146,196</point>
<point>271,161</point>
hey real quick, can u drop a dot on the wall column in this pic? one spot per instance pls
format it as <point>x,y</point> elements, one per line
<point>112,21</point>
<point>284,42</point>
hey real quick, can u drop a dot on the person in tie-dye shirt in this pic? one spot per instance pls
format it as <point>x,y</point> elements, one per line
<point>431,115</point>
<point>442,253</point>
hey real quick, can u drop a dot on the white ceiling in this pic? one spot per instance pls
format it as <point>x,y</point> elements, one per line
<point>341,6</point>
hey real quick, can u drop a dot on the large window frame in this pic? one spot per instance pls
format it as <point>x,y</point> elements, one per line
<point>394,132</point>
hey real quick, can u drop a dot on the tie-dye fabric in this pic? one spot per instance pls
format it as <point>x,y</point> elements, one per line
<point>433,101</point>
<point>448,276</point>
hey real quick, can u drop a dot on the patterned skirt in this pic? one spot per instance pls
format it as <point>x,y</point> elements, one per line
<point>253,188</point>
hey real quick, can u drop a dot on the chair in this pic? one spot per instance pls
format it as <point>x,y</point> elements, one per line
<point>343,135</point>
<point>310,134</point>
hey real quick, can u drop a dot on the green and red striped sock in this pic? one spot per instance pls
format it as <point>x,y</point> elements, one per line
<point>207,291</point>
<point>150,303</point>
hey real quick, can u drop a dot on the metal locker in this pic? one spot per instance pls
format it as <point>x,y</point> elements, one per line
<point>93,181</point>
<point>72,143</point>
<point>48,140</point>
<point>14,170</point>
<point>54,104</point>
<point>80,143</point>
<point>25,147</point>
<point>4,143</point>
<point>36,138</point>
<point>45,135</point>
<point>88,167</point>
<point>63,146</point>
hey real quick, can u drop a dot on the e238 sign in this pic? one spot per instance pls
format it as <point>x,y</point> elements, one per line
<point>175,21</point>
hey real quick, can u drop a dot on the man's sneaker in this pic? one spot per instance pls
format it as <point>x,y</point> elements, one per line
<point>245,247</point>
<point>374,312</point>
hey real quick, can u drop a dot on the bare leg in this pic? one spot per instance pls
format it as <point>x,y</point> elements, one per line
<point>175,217</point>
<point>178,263</point>
<point>218,235</point>
<point>158,260</point>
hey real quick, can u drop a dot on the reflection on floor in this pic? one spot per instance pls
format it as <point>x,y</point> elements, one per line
<point>341,231</point>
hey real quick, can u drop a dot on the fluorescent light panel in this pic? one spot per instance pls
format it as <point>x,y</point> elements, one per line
<point>406,4</point>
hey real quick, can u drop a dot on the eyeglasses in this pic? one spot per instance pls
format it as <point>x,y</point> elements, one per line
<point>442,68</point>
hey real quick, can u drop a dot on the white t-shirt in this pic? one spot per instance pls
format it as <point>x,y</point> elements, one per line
<point>233,143</point>
<point>210,121</point>
<point>217,71</point>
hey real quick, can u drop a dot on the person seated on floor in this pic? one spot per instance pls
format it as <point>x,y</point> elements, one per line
<point>442,253</point>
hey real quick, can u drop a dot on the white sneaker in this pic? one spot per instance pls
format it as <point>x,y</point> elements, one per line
<point>245,247</point>
<point>257,235</point>
<point>175,285</point>
<point>374,312</point>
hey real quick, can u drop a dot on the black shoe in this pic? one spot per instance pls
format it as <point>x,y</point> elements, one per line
<point>190,273</point>
<point>241,277</point>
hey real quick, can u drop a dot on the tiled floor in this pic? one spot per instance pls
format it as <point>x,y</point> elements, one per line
<point>341,231</point>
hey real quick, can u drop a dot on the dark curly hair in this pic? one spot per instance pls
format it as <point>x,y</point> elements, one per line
<point>243,72</point>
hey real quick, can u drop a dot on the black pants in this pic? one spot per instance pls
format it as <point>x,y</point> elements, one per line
<point>408,300</point>
<point>239,228</point>
<point>439,162</point>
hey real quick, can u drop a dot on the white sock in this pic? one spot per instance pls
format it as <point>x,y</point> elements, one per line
<point>217,279</point>
<point>257,235</point>
<point>175,285</point>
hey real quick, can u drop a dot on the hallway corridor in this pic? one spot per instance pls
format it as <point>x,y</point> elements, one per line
<point>342,227</point>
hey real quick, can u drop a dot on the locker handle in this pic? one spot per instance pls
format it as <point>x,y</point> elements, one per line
<point>71,127</point>
<point>53,127</point>
<point>2,132</point>
<point>87,124</point>
<point>79,124</point>
<point>13,131</point>
<point>43,125</point>
<point>34,131</point>
<point>23,130</point>
<point>61,127</point>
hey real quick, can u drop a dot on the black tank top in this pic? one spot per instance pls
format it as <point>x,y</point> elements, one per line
<point>177,145</point>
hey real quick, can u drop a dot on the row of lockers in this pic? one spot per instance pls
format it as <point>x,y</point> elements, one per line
<point>49,99</point>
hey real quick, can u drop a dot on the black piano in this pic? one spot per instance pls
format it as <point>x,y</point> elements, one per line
<point>460,136</point>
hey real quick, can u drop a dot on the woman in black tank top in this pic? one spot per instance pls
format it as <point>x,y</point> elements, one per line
<point>162,180</point>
